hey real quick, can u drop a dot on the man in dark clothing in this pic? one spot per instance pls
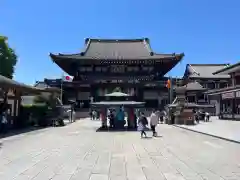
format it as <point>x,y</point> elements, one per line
<point>111,119</point>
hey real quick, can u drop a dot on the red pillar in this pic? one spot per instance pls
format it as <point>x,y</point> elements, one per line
<point>131,117</point>
<point>103,117</point>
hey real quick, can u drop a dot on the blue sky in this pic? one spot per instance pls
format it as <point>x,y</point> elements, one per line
<point>207,31</point>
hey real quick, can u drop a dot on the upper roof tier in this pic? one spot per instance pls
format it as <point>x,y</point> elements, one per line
<point>120,49</point>
<point>116,51</point>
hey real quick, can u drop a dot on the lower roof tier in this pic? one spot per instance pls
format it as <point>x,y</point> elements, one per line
<point>72,66</point>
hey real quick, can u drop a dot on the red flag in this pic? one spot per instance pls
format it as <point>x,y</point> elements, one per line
<point>168,85</point>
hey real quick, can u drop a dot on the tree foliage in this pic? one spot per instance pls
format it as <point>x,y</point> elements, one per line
<point>8,58</point>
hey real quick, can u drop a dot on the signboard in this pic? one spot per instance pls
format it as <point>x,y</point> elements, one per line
<point>229,95</point>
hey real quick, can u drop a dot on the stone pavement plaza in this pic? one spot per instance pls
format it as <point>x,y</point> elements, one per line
<point>78,152</point>
<point>221,128</point>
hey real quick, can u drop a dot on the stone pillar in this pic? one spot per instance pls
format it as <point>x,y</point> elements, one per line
<point>233,79</point>
<point>217,106</point>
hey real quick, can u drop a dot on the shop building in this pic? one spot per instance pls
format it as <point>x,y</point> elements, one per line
<point>229,97</point>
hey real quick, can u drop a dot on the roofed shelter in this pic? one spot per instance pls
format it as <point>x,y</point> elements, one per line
<point>15,90</point>
<point>123,105</point>
<point>194,86</point>
<point>130,64</point>
<point>7,83</point>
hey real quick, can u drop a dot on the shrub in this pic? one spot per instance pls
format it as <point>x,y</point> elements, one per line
<point>34,115</point>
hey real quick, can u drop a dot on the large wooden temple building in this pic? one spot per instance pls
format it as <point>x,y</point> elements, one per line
<point>130,65</point>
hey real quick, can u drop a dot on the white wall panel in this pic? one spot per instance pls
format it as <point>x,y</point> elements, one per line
<point>83,96</point>
<point>150,95</point>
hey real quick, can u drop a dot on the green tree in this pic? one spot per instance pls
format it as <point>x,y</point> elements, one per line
<point>8,58</point>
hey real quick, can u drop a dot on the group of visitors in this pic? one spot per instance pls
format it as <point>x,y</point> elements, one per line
<point>143,123</point>
<point>199,115</point>
<point>116,118</point>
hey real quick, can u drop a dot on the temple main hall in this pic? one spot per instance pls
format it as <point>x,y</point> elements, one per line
<point>104,65</point>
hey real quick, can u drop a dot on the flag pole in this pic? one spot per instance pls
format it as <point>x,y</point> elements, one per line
<point>61,96</point>
<point>171,90</point>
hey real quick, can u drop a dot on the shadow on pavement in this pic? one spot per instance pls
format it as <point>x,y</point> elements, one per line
<point>158,136</point>
<point>20,131</point>
<point>148,137</point>
<point>118,130</point>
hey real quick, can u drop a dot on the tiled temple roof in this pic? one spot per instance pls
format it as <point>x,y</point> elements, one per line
<point>204,71</point>
<point>130,49</point>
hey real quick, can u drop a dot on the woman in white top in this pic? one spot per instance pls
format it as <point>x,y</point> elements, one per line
<point>154,122</point>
